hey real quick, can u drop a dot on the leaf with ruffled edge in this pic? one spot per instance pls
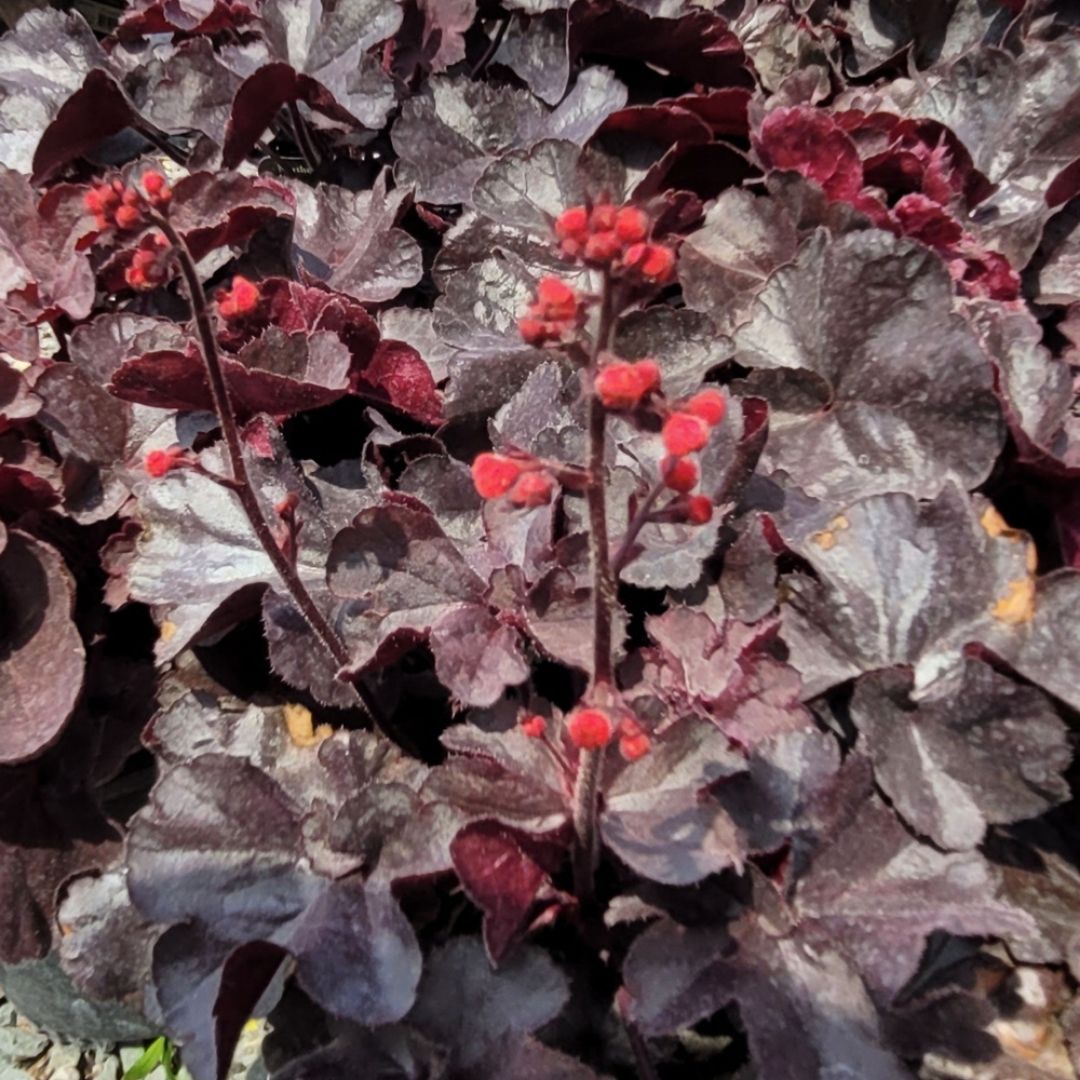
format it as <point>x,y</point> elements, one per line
<point>484,1017</point>
<point>42,654</point>
<point>991,752</point>
<point>351,241</point>
<point>873,383</point>
<point>410,582</point>
<point>262,864</point>
<point>320,57</point>
<point>928,580</point>
<point>850,938</point>
<point>714,666</point>
<point>449,135</point>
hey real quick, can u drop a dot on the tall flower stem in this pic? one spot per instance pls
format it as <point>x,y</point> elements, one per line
<point>590,762</point>
<point>241,481</point>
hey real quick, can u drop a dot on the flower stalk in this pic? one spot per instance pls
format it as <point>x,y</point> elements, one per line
<point>240,480</point>
<point>590,762</point>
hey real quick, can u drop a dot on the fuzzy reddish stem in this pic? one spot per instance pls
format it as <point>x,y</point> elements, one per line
<point>590,762</point>
<point>241,481</point>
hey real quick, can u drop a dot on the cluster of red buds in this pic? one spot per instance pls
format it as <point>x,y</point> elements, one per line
<point>115,204</point>
<point>591,728</point>
<point>614,238</point>
<point>149,266</point>
<point>524,481</point>
<point>626,386</point>
<point>239,301</point>
<point>556,313</point>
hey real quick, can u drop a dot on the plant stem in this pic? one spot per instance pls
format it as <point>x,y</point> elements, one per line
<point>590,762</point>
<point>645,1068</point>
<point>493,47</point>
<point>219,393</point>
<point>310,152</point>
<point>637,523</point>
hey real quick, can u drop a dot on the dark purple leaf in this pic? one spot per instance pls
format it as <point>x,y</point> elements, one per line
<point>406,572</point>
<point>742,242</point>
<point>991,752</point>
<point>1035,387</point>
<point>805,1010</point>
<point>507,777</point>
<point>277,373</point>
<point>928,580</point>
<point>876,893</point>
<point>258,863</point>
<point>350,241</point>
<point>447,137</point>
<point>96,111</point>
<point>862,401</point>
<point>1020,130</point>
<point>320,57</point>
<point>44,60</point>
<point>481,1015</point>
<point>193,86</point>
<point>879,31</point>
<point>42,655</point>
<point>724,670</point>
<point>499,871</point>
<point>145,17</point>
<point>476,656</point>
<point>215,210</point>
<point>198,560</point>
<point>43,274</point>
<point>660,819</point>
<point>106,945</point>
<point>536,48</point>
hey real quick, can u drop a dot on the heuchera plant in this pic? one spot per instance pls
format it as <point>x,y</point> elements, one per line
<point>543,541</point>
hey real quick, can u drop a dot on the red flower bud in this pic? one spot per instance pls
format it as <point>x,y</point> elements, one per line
<point>494,474</point>
<point>533,726</point>
<point>572,223</point>
<point>680,473</point>
<point>556,299</point>
<point>534,331</point>
<point>127,217</point>
<point>649,373</point>
<point>531,489</point>
<point>654,262</point>
<point>602,218</point>
<point>284,507</point>
<point>622,385</point>
<point>153,182</point>
<point>159,462</point>
<point>629,727</point>
<point>683,433</point>
<point>631,225</point>
<point>137,278</point>
<point>699,510</point>
<point>633,747</point>
<point>572,247</point>
<point>602,247</point>
<point>589,729</point>
<point>708,404</point>
<point>242,299</point>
